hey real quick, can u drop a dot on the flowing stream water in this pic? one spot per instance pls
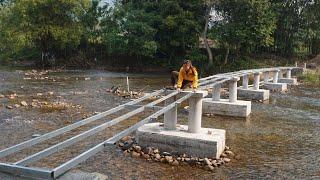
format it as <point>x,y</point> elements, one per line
<point>280,140</point>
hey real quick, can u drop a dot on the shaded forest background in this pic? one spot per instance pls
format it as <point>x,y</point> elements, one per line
<point>158,34</point>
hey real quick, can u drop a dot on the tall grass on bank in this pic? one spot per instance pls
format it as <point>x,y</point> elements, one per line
<point>311,77</point>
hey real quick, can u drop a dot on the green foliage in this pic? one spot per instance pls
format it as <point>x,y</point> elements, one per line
<point>245,23</point>
<point>163,32</point>
<point>312,77</point>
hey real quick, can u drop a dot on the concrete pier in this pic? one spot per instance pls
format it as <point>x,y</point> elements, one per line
<point>288,79</point>
<point>275,85</point>
<point>266,77</point>
<point>195,114</point>
<point>254,93</point>
<point>245,81</point>
<point>227,107</point>
<point>170,117</point>
<point>181,139</point>
<point>206,143</point>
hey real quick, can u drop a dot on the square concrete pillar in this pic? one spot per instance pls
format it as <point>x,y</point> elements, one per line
<point>291,81</point>
<point>207,142</point>
<point>275,86</point>
<point>252,94</point>
<point>226,108</point>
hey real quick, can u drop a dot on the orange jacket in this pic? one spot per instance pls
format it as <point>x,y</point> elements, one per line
<point>190,75</point>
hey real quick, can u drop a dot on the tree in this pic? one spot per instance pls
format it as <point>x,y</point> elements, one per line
<point>209,4</point>
<point>244,24</point>
<point>45,24</point>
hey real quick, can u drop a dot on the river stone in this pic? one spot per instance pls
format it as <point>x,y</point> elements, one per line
<point>226,160</point>
<point>127,145</point>
<point>156,151</point>
<point>211,167</point>
<point>169,159</point>
<point>148,150</point>
<point>166,154</point>
<point>36,135</point>
<point>126,138</point>
<point>230,153</point>
<point>137,148</point>
<point>135,154</point>
<point>1,96</point>
<point>157,156</point>
<point>9,107</point>
<point>207,161</point>
<point>223,155</point>
<point>175,163</point>
<point>146,156</point>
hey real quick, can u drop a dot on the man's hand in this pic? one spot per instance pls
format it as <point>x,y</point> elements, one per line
<point>194,89</point>
<point>178,89</point>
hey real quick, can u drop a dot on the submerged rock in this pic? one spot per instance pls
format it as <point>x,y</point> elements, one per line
<point>9,107</point>
<point>23,103</point>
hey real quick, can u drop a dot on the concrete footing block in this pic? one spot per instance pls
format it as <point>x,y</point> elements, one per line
<point>251,94</point>
<point>291,81</point>
<point>275,86</point>
<point>226,108</point>
<point>207,143</point>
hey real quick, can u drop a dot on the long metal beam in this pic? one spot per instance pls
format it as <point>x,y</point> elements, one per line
<point>37,173</point>
<point>84,156</point>
<point>31,142</point>
<point>79,137</point>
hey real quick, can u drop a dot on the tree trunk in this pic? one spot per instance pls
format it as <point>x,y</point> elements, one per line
<point>205,32</point>
<point>226,55</point>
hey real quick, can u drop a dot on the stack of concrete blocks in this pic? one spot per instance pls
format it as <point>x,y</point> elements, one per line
<point>254,93</point>
<point>274,85</point>
<point>181,139</point>
<point>227,107</point>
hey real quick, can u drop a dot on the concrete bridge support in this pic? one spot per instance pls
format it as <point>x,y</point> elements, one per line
<point>227,107</point>
<point>288,79</point>
<point>275,85</point>
<point>254,93</point>
<point>170,117</point>
<point>192,139</point>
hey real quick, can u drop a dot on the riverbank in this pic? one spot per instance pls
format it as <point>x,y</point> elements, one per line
<point>278,141</point>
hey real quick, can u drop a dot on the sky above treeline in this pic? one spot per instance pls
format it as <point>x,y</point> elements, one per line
<point>106,1</point>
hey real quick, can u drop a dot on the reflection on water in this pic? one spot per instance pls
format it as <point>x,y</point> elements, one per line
<point>280,140</point>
